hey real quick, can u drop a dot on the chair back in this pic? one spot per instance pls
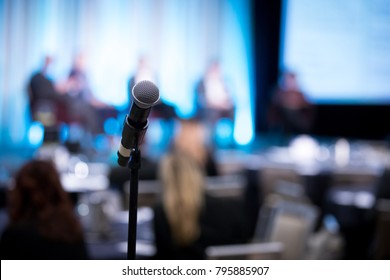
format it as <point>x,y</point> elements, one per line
<point>289,222</point>
<point>251,251</point>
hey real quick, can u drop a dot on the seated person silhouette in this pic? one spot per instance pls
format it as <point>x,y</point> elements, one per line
<point>42,224</point>
<point>83,107</point>
<point>43,96</point>
<point>213,97</point>
<point>290,110</point>
<point>145,72</point>
<point>187,220</point>
<point>191,139</point>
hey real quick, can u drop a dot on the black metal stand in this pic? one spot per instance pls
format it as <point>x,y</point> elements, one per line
<point>134,165</point>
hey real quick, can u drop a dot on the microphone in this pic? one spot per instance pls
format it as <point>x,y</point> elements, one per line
<point>145,94</point>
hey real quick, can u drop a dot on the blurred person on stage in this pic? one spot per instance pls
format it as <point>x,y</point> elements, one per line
<point>42,224</point>
<point>78,85</point>
<point>290,110</point>
<point>146,72</point>
<point>213,96</point>
<point>43,95</point>
<point>187,220</point>
<point>83,107</point>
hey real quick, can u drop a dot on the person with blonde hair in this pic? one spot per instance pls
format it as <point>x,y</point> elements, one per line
<point>191,139</point>
<point>187,220</point>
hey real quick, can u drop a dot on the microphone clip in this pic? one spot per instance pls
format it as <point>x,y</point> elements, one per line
<point>132,137</point>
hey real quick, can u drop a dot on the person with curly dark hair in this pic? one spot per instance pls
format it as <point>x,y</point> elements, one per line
<point>42,224</point>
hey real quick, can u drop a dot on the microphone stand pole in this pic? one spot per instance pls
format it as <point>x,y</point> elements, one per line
<point>134,165</point>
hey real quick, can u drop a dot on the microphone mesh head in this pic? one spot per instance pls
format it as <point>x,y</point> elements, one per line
<point>145,94</point>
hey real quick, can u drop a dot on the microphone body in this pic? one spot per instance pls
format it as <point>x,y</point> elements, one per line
<point>145,94</point>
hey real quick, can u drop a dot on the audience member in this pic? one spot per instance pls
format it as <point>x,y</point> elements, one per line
<point>191,139</point>
<point>187,220</point>
<point>42,224</point>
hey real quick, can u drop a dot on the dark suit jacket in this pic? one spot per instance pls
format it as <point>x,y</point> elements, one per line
<point>25,243</point>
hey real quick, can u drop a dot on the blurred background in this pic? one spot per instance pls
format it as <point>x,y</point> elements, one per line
<point>284,103</point>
